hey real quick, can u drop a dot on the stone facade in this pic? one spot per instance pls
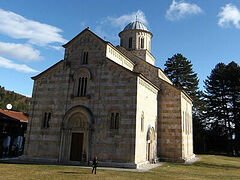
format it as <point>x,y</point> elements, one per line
<point>110,102</point>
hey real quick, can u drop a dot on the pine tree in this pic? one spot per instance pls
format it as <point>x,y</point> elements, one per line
<point>223,101</point>
<point>216,99</point>
<point>216,103</point>
<point>180,71</point>
<point>233,93</point>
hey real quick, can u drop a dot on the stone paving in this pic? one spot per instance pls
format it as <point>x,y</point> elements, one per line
<point>144,168</point>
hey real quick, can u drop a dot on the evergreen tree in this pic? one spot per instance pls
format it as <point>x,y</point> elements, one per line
<point>223,102</point>
<point>180,71</point>
<point>233,94</point>
<point>216,99</point>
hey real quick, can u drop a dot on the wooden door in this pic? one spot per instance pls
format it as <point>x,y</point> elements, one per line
<point>76,147</point>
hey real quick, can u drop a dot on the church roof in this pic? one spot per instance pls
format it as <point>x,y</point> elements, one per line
<point>135,25</point>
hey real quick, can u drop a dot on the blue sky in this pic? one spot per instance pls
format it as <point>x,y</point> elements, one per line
<point>32,32</point>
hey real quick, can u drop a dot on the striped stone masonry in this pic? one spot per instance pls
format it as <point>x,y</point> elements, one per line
<point>105,101</point>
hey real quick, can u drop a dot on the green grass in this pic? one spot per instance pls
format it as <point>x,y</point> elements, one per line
<point>209,167</point>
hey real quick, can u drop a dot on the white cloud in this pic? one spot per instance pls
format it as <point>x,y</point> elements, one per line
<point>56,47</point>
<point>110,26</point>
<point>229,14</point>
<point>18,67</point>
<point>100,31</point>
<point>123,20</point>
<point>18,27</point>
<point>23,52</point>
<point>179,10</point>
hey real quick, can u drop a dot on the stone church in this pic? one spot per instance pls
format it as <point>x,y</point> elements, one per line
<point>111,102</point>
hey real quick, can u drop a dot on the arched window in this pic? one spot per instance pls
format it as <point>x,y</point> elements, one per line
<point>46,119</point>
<point>85,57</point>
<point>130,43</point>
<point>114,120</point>
<point>142,43</point>
<point>82,86</point>
<point>139,42</point>
<point>81,81</point>
<point>142,121</point>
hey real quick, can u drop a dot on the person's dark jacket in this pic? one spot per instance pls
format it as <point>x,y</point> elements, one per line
<point>95,162</point>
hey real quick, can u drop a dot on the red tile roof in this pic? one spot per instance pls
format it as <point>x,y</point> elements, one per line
<point>16,115</point>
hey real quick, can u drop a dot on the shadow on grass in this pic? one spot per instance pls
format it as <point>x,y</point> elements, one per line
<point>216,166</point>
<point>219,154</point>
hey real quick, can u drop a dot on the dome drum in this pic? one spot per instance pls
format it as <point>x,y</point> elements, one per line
<point>135,36</point>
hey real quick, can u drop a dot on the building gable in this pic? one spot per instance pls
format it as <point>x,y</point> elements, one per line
<point>80,34</point>
<point>47,71</point>
<point>85,49</point>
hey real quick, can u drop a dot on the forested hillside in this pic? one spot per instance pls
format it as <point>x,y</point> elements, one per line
<point>19,102</point>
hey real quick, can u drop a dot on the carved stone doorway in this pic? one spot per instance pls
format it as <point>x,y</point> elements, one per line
<point>76,135</point>
<point>151,145</point>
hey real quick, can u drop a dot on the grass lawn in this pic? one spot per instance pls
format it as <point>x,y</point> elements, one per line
<point>209,167</point>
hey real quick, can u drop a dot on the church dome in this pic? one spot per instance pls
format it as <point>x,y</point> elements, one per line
<point>136,36</point>
<point>136,25</point>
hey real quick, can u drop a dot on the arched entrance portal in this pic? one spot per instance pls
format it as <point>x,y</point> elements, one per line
<point>76,135</point>
<point>151,145</point>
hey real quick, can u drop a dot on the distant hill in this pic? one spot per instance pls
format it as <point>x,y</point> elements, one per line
<point>18,101</point>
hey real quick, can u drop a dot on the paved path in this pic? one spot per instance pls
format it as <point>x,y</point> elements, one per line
<point>145,168</point>
<point>142,169</point>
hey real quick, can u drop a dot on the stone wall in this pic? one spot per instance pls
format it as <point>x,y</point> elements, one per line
<point>42,142</point>
<point>116,56</point>
<point>117,94</point>
<point>153,73</point>
<point>136,39</point>
<point>169,123</point>
<point>170,139</point>
<point>144,55</point>
<point>146,112</point>
<point>187,131</point>
<point>110,88</point>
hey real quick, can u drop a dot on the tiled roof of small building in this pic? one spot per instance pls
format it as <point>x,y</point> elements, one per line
<point>15,115</point>
<point>136,25</point>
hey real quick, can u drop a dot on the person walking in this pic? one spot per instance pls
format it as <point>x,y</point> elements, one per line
<point>94,164</point>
